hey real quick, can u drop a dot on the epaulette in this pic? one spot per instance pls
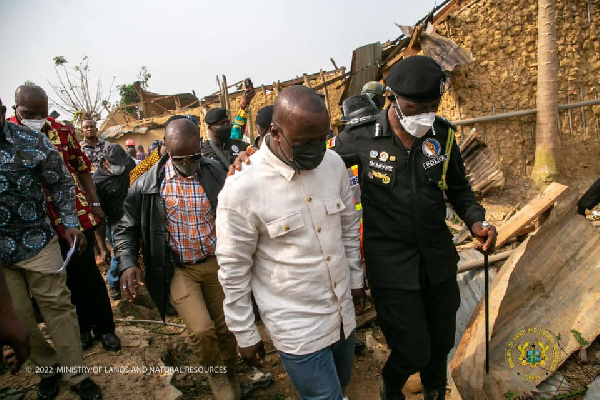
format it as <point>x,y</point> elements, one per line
<point>445,121</point>
<point>360,121</point>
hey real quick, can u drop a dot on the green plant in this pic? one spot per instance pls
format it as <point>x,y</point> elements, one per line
<point>582,342</point>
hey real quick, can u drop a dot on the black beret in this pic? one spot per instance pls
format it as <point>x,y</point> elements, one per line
<point>264,117</point>
<point>417,78</point>
<point>215,115</point>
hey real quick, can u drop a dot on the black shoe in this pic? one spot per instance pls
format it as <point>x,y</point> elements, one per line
<point>86,340</point>
<point>435,394</point>
<point>387,393</point>
<point>88,390</point>
<point>110,342</point>
<point>114,293</point>
<point>359,346</point>
<point>49,387</point>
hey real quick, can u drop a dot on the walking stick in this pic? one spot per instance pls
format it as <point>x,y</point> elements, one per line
<point>487,315</point>
<point>486,266</point>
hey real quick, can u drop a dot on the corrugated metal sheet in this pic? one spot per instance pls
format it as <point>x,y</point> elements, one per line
<point>366,61</point>
<point>483,168</point>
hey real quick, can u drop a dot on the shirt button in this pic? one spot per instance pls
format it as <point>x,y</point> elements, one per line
<point>286,228</point>
<point>335,285</point>
<point>319,229</point>
<point>328,258</point>
<point>338,205</point>
<point>309,199</point>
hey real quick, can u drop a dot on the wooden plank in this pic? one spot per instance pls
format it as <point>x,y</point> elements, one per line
<point>226,94</point>
<point>549,282</point>
<point>530,212</point>
<point>478,263</point>
<point>326,92</point>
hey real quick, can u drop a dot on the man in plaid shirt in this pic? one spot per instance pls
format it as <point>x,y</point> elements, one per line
<point>171,208</point>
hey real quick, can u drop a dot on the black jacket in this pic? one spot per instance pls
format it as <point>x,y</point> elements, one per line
<point>404,210</point>
<point>112,191</point>
<point>144,219</point>
<point>230,149</point>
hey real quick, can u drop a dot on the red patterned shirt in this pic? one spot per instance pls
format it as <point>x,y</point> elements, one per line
<point>190,219</point>
<point>76,161</point>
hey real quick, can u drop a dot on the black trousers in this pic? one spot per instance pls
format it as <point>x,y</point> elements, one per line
<point>419,327</point>
<point>88,291</point>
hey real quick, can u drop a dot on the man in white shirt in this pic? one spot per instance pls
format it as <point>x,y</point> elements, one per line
<point>288,231</point>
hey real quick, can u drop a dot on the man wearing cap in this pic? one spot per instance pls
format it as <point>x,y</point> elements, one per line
<point>112,183</point>
<point>408,162</point>
<point>220,146</point>
<point>375,91</point>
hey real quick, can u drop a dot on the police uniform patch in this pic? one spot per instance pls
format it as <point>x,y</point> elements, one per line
<point>235,149</point>
<point>373,153</point>
<point>392,158</point>
<point>431,148</point>
<point>383,156</point>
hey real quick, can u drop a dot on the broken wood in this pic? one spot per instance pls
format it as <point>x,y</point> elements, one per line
<point>325,92</point>
<point>306,80</point>
<point>366,318</point>
<point>474,264</point>
<point>530,212</point>
<point>548,283</point>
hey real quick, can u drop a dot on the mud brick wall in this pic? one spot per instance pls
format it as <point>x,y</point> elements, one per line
<point>502,35</point>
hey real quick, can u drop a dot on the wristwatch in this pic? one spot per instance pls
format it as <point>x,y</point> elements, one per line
<point>95,204</point>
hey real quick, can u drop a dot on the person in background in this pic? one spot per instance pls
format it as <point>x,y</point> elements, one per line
<point>296,248</point>
<point>140,152</point>
<point>376,92</point>
<point>88,291</point>
<point>129,143</point>
<point>112,183</point>
<point>91,144</point>
<point>171,208</point>
<point>263,122</point>
<point>132,153</point>
<point>220,146</point>
<point>29,248</point>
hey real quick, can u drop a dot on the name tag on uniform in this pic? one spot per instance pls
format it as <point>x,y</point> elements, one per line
<point>435,161</point>
<point>380,166</point>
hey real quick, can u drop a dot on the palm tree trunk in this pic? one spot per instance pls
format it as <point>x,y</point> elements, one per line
<point>545,169</point>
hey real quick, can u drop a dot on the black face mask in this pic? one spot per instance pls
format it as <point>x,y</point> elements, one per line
<point>306,156</point>
<point>224,132</point>
<point>189,169</point>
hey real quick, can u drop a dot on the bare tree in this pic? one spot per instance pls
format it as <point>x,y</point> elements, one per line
<point>545,169</point>
<point>73,90</point>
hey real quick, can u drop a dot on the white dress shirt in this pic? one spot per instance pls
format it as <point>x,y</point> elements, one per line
<point>292,238</point>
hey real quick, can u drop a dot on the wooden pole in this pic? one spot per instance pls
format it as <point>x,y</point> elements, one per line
<point>250,125</point>
<point>306,80</point>
<point>226,95</point>
<point>326,92</point>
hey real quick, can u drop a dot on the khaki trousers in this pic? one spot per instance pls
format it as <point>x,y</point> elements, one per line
<point>198,297</point>
<point>37,278</point>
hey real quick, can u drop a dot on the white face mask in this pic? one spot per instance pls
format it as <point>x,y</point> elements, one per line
<point>117,169</point>
<point>415,125</point>
<point>35,124</point>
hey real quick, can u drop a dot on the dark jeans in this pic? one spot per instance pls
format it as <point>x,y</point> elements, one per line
<point>419,327</point>
<point>88,291</point>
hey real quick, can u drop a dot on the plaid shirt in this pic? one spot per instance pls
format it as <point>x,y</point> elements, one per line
<point>76,161</point>
<point>190,219</point>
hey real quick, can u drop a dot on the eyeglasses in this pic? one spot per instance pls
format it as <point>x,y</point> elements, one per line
<point>186,159</point>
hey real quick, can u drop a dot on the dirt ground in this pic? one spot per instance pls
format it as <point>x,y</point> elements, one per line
<point>121,374</point>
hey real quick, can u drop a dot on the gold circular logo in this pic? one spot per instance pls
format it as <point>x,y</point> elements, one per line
<point>532,353</point>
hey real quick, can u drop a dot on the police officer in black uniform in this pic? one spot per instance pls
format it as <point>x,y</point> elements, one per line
<point>409,165</point>
<point>220,146</point>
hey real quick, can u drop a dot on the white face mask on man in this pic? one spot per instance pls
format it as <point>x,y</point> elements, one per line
<point>416,125</point>
<point>35,124</point>
<point>117,169</point>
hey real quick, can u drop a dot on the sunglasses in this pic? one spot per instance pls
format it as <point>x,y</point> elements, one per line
<point>186,159</point>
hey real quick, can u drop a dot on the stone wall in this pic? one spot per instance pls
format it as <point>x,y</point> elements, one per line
<point>502,35</point>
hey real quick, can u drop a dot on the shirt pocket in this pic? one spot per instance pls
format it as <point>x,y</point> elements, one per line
<point>285,225</point>
<point>334,205</point>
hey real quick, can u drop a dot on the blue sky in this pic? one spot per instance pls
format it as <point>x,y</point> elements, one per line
<point>185,44</point>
